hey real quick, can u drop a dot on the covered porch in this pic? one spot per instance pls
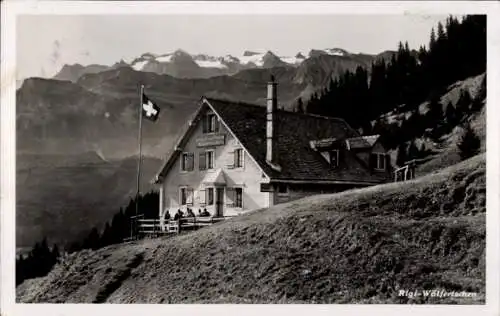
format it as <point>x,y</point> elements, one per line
<point>214,186</point>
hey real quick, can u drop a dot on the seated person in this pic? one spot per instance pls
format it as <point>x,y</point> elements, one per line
<point>199,212</point>
<point>178,215</point>
<point>189,213</point>
<point>205,213</point>
<point>167,215</point>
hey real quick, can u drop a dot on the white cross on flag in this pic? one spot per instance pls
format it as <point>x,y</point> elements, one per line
<point>149,109</point>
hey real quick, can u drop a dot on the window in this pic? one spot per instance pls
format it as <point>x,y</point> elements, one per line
<point>207,160</point>
<point>334,158</point>
<point>186,196</point>
<point>210,196</point>
<point>238,158</point>
<point>238,199</point>
<point>210,124</point>
<point>210,159</point>
<point>187,162</point>
<point>234,197</point>
<point>378,161</point>
<point>381,161</point>
<point>282,189</point>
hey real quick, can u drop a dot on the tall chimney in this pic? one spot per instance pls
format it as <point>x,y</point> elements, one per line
<point>271,116</point>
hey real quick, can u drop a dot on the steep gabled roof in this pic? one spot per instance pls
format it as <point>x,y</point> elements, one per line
<point>295,157</point>
<point>362,142</point>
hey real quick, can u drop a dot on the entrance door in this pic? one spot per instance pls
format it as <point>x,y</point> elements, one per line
<point>219,202</point>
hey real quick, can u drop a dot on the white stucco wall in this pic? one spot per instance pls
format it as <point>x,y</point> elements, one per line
<point>248,178</point>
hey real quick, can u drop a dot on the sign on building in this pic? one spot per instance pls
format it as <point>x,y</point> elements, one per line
<point>211,140</point>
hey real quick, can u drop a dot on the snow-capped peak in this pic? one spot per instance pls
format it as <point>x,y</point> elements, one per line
<point>230,59</point>
<point>329,51</point>
<point>252,58</point>
<point>247,59</point>
<point>336,51</point>
<point>148,56</point>
<point>165,58</point>
<point>293,60</point>
<point>181,52</point>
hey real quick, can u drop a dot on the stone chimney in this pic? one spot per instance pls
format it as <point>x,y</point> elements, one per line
<point>271,116</point>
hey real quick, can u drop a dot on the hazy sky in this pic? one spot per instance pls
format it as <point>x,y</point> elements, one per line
<point>46,42</point>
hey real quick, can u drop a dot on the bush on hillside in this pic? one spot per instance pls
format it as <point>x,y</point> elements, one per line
<point>37,263</point>
<point>469,143</point>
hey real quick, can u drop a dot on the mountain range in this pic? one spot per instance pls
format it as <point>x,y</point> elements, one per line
<point>181,64</point>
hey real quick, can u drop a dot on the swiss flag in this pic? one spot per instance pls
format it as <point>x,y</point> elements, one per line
<point>149,109</point>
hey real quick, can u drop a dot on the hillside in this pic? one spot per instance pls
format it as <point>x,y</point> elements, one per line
<point>359,246</point>
<point>444,152</point>
<point>73,72</point>
<point>62,197</point>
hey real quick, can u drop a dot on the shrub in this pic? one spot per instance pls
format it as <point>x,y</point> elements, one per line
<point>469,144</point>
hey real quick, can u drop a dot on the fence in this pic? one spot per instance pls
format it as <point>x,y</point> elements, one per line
<point>407,172</point>
<point>154,226</point>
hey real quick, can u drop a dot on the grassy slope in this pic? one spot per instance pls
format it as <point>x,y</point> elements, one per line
<point>447,152</point>
<point>356,246</point>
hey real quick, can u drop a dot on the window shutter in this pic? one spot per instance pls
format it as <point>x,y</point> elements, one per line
<point>204,124</point>
<point>195,197</point>
<point>183,162</point>
<point>387,162</point>
<point>210,196</point>
<point>238,197</point>
<point>230,160</point>
<point>189,200</point>
<point>191,161</point>
<point>230,197</point>
<point>239,157</point>
<point>203,161</point>
<point>182,196</point>
<point>373,161</point>
<point>202,194</point>
<point>216,124</point>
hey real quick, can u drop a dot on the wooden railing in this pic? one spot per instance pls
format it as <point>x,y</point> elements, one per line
<point>153,226</point>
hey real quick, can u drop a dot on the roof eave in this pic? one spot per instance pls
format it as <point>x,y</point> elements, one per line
<point>322,181</point>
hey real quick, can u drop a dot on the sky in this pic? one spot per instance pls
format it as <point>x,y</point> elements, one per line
<point>46,42</point>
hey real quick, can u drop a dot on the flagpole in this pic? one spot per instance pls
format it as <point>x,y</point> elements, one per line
<point>140,155</point>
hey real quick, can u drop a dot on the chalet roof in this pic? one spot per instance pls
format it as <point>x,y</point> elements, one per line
<point>362,142</point>
<point>294,133</point>
<point>295,157</point>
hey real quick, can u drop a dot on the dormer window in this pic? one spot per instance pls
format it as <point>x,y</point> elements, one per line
<point>334,158</point>
<point>379,161</point>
